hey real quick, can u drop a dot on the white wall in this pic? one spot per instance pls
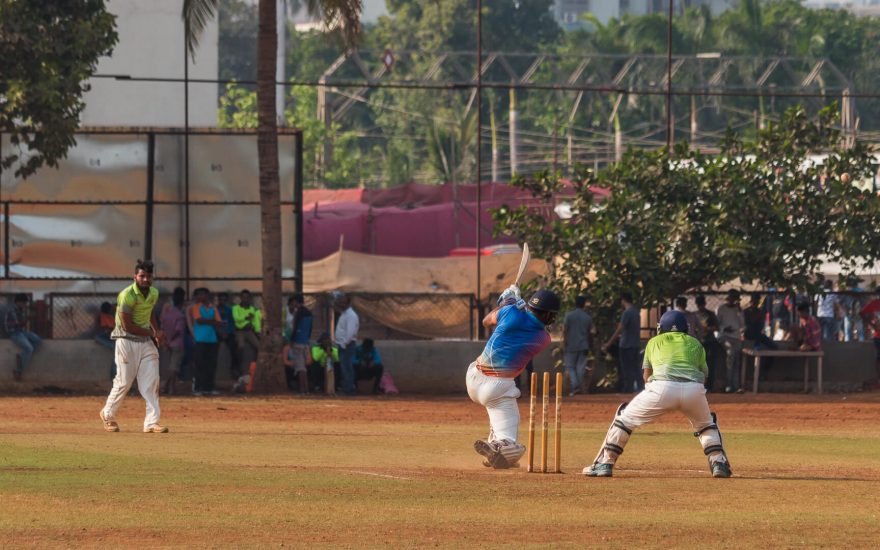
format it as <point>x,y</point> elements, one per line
<point>151,44</point>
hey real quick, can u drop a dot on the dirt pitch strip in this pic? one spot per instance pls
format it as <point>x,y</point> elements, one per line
<point>401,473</point>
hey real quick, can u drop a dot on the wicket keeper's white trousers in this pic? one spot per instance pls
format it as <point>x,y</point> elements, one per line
<point>135,361</point>
<point>499,396</point>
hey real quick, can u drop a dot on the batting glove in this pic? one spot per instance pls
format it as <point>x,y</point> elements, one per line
<point>510,295</point>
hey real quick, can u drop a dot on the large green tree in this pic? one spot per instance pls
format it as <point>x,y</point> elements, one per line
<point>47,51</point>
<point>343,15</point>
<point>770,210</point>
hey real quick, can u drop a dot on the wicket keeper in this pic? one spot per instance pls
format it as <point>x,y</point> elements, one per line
<point>520,334</point>
<point>137,355</point>
<point>674,370</point>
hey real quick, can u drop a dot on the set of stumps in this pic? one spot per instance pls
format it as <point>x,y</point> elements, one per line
<point>545,439</point>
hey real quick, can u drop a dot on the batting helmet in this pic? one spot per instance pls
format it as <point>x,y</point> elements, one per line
<point>673,321</point>
<point>544,300</point>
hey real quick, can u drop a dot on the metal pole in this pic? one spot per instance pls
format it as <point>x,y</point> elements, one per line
<point>669,79</point>
<point>479,210</point>
<point>186,163</point>
<point>151,167</point>
<point>298,212</point>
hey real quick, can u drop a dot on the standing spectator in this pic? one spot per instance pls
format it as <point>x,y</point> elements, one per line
<point>871,316</point>
<point>298,349</point>
<point>754,319</point>
<point>731,323</point>
<point>577,339</point>
<point>695,329</point>
<point>346,338</point>
<point>173,324</point>
<point>226,334</point>
<point>106,324</point>
<point>709,326</point>
<point>368,363</point>
<point>827,306</point>
<point>248,322</point>
<point>628,330</point>
<point>809,334</point>
<point>17,328</point>
<point>320,353</point>
<point>206,320</point>
<point>137,356</point>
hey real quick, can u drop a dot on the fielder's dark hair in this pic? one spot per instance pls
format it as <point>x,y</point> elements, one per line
<point>681,302</point>
<point>20,297</point>
<point>626,295</point>
<point>143,265</point>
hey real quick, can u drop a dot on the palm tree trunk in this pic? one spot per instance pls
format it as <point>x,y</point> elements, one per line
<point>269,375</point>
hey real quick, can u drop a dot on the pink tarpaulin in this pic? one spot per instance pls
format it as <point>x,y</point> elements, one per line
<point>415,220</point>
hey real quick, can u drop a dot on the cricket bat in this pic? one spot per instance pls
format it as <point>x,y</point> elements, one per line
<point>526,256</point>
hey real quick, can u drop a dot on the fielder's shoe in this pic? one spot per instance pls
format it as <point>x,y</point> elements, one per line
<point>109,425</point>
<point>156,429</point>
<point>721,469</point>
<point>599,470</point>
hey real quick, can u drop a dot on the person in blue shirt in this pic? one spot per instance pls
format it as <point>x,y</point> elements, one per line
<point>368,363</point>
<point>520,334</point>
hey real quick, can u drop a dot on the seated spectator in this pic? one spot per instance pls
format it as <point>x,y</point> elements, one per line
<point>807,335</point>
<point>106,324</point>
<point>16,323</point>
<point>295,368</point>
<point>320,353</point>
<point>368,364</point>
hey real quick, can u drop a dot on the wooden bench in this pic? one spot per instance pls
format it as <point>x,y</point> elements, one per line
<point>758,354</point>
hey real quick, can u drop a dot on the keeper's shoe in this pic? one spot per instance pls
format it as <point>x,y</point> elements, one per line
<point>721,469</point>
<point>599,470</point>
<point>156,429</point>
<point>109,425</point>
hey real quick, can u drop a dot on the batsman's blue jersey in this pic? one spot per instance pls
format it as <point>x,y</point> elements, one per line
<point>518,337</point>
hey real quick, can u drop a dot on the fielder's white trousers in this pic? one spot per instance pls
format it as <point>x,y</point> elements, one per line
<point>499,396</point>
<point>660,397</point>
<point>135,361</point>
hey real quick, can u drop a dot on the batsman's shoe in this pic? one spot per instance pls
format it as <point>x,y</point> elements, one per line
<point>109,425</point>
<point>599,470</point>
<point>721,469</point>
<point>156,429</point>
<point>500,454</point>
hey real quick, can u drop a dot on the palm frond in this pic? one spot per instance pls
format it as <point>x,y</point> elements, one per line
<point>343,15</point>
<point>196,14</point>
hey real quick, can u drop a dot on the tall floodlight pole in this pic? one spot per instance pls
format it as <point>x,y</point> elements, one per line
<point>669,79</point>
<point>479,163</point>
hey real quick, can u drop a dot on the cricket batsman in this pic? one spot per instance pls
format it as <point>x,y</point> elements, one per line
<point>520,334</point>
<point>137,355</point>
<point>674,370</point>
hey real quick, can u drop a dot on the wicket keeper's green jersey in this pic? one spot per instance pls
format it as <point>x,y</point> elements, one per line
<point>675,357</point>
<point>132,301</point>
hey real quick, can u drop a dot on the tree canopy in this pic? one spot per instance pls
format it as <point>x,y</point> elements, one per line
<point>47,51</point>
<point>769,210</point>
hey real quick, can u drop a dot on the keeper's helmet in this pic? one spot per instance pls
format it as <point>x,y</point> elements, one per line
<point>545,300</point>
<point>673,321</point>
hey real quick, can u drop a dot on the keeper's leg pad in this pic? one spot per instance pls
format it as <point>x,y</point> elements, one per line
<point>615,439</point>
<point>710,439</point>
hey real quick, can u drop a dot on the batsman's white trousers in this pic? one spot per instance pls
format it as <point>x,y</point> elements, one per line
<point>135,361</point>
<point>660,397</point>
<point>499,396</point>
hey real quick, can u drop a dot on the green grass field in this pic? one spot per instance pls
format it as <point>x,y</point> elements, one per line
<point>363,473</point>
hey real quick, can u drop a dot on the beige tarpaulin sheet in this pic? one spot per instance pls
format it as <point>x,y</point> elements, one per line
<point>422,297</point>
<point>357,272</point>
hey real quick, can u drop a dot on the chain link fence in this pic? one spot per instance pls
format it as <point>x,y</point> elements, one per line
<point>382,316</point>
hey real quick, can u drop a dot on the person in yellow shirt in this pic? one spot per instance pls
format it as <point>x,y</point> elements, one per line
<point>248,323</point>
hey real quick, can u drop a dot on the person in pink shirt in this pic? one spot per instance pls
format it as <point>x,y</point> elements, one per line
<point>173,324</point>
